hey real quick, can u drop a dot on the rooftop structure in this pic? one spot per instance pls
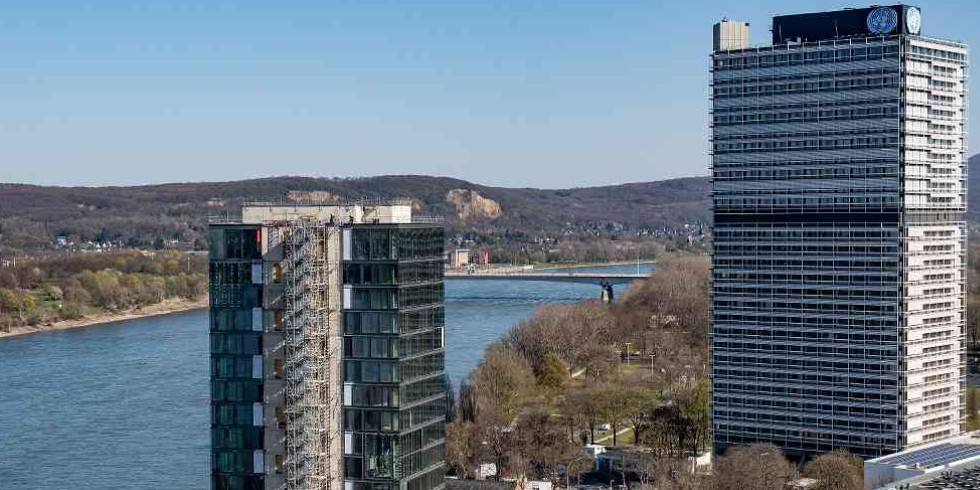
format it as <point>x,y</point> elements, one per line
<point>967,478</point>
<point>921,467</point>
<point>842,24</point>
<point>357,213</point>
<point>731,34</point>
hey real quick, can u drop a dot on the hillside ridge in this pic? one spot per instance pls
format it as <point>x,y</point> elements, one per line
<point>175,214</point>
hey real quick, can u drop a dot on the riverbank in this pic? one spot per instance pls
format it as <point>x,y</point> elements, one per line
<point>163,308</point>
<point>588,265</point>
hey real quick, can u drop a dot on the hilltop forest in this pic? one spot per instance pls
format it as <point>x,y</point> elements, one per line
<point>512,221</point>
<point>517,224</point>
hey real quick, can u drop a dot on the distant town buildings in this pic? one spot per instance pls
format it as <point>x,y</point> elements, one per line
<point>327,355</point>
<point>459,258</point>
<point>467,257</point>
<point>839,164</point>
<point>480,256</point>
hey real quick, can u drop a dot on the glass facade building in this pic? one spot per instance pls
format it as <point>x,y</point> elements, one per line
<point>334,378</point>
<point>394,376</point>
<point>236,358</point>
<point>838,268</point>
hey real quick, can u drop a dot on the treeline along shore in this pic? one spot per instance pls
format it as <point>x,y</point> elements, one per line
<point>58,290</point>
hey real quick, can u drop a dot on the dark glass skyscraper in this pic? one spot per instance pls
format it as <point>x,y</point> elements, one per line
<point>394,379</point>
<point>236,357</point>
<point>331,320</point>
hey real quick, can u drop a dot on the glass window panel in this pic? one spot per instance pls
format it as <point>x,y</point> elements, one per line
<point>369,371</point>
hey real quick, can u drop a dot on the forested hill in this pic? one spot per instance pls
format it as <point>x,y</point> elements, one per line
<point>33,217</point>
<point>175,215</point>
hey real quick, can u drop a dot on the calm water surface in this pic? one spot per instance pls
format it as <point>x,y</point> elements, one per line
<point>125,405</point>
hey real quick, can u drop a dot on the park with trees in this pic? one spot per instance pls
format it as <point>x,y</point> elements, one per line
<point>631,375</point>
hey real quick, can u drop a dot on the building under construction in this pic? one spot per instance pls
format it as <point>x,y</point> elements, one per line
<point>327,355</point>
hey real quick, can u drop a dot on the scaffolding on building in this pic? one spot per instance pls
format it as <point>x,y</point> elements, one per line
<point>309,396</point>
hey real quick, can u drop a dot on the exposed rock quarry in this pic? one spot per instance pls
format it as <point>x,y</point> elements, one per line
<point>471,205</point>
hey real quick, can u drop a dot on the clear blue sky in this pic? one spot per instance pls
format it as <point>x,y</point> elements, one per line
<point>516,92</point>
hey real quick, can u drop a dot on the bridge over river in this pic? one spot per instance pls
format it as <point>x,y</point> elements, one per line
<point>556,276</point>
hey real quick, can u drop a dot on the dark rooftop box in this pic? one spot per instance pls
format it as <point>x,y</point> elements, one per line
<point>871,21</point>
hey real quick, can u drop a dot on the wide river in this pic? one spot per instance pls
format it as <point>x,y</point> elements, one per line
<point>125,405</point>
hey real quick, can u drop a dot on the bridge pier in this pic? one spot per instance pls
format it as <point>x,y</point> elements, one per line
<point>607,295</point>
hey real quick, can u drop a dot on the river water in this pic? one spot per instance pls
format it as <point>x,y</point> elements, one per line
<point>125,405</point>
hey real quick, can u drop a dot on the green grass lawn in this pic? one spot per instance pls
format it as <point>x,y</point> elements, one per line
<point>604,437</point>
<point>629,368</point>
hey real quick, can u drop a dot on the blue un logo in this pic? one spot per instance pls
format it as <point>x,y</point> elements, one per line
<point>882,20</point>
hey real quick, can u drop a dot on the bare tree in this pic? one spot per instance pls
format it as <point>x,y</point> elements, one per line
<point>759,466</point>
<point>676,297</point>
<point>460,450</point>
<point>585,403</point>
<point>577,461</point>
<point>661,472</point>
<point>972,404</point>
<point>452,407</point>
<point>498,385</point>
<point>566,331</point>
<point>641,464</point>
<point>541,443</point>
<point>673,473</point>
<point>836,471</point>
<point>615,405</point>
<point>466,405</point>
<point>639,403</point>
<point>496,437</point>
<point>552,374</point>
<point>695,411</point>
<point>499,381</point>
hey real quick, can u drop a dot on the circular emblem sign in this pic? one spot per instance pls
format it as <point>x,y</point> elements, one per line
<point>913,20</point>
<point>882,20</point>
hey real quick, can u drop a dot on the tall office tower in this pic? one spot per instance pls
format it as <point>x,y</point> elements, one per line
<point>838,167</point>
<point>327,360</point>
